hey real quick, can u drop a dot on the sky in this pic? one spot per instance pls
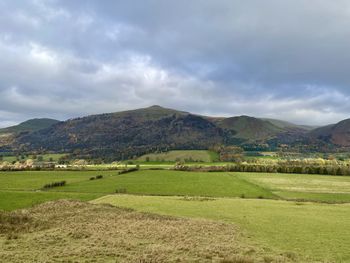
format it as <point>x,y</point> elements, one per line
<point>286,59</point>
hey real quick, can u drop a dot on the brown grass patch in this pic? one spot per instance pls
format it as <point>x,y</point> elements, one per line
<point>71,231</point>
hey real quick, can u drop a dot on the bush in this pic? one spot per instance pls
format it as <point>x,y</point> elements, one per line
<point>129,170</point>
<point>96,177</point>
<point>54,184</point>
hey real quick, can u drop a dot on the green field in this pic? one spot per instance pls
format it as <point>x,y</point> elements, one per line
<point>307,230</point>
<point>304,230</point>
<point>172,183</point>
<point>300,186</point>
<point>10,200</point>
<point>23,189</point>
<point>181,155</point>
<point>46,157</point>
<point>332,189</point>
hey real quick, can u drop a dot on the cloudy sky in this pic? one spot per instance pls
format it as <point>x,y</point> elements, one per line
<point>281,59</point>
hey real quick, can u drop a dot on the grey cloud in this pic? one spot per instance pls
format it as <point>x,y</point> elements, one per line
<point>280,59</point>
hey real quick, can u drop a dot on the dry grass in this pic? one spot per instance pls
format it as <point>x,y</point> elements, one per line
<point>71,231</point>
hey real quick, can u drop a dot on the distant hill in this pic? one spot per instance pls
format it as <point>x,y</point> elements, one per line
<point>8,135</point>
<point>337,134</point>
<point>289,126</point>
<point>30,126</point>
<point>132,133</point>
<point>250,128</point>
<point>125,134</point>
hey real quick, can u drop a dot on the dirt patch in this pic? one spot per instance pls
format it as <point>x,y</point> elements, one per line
<point>71,231</point>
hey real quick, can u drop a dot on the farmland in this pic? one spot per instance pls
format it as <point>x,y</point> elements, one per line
<point>23,189</point>
<point>45,157</point>
<point>314,231</point>
<point>292,216</point>
<point>183,156</point>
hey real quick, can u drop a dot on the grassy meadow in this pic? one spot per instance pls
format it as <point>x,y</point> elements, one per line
<point>181,155</point>
<point>45,157</point>
<point>321,188</point>
<point>303,218</point>
<point>24,189</point>
<point>308,230</point>
<point>71,231</point>
<point>163,182</point>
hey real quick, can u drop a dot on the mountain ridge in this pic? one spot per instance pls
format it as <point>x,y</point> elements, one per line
<point>130,133</point>
<point>29,125</point>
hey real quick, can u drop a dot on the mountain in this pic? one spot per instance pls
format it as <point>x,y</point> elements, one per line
<point>125,134</point>
<point>8,135</point>
<point>289,126</point>
<point>335,134</point>
<point>29,126</point>
<point>249,128</point>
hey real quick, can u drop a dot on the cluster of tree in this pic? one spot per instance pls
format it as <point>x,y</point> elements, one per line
<point>229,153</point>
<point>16,165</point>
<point>278,167</point>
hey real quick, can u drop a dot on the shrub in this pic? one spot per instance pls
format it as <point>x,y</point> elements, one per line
<point>128,170</point>
<point>54,184</point>
<point>96,177</point>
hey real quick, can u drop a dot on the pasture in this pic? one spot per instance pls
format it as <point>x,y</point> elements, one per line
<point>24,189</point>
<point>71,231</point>
<point>307,232</point>
<point>45,157</point>
<point>306,228</point>
<point>163,182</point>
<point>323,188</point>
<point>181,155</point>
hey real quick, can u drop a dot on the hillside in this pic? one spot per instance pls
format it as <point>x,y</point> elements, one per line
<point>336,134</point>
<point>249,128</point>
<point>29,126</point>
<point>289,126</point>
<point>125,134</point>
<point>8,135</point>
<point>128,134</point>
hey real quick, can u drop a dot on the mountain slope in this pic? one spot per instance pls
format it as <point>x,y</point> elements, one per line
<point>8,135</point>
<point>337,134</point>
<point>128,134</point>
<point>30,126</point>
<point>288,125</point>
<point>249,128</point>
<point>125,134</point>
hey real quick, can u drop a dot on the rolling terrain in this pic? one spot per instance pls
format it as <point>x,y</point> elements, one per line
<point>251,217</point>
<point>129,134</point>
<point>8,135</point>
<point>29,126</point>
<point>71,231</point>
<point>336,134</point>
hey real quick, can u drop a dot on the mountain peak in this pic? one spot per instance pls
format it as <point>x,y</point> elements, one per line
<point>155,107</point>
